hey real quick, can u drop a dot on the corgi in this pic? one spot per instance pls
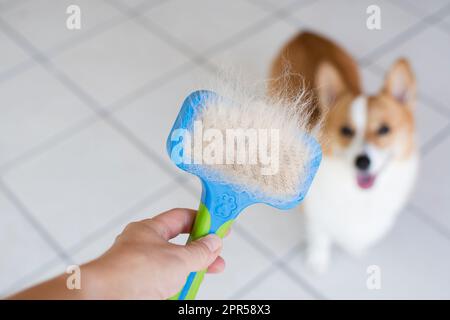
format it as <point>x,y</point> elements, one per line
<point>370,157</point>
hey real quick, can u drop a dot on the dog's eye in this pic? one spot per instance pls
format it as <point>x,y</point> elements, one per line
<point>346,131</point>
<point>384,129</point>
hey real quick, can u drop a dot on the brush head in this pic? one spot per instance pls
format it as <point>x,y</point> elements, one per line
<point>253,145</point>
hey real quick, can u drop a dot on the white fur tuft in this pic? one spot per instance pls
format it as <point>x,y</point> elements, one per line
<point>243,108</point>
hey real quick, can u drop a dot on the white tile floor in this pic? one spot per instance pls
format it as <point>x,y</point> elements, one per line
<point>85,114</point>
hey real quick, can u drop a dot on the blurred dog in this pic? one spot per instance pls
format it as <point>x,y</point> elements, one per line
<point>370,158</point>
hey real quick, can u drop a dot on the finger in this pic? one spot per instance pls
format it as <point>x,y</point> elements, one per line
<point>199,254</point>
<point>217,266</point>
<point>173,222</point>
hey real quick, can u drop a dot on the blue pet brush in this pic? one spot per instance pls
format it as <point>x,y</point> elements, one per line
<point>229,187</point>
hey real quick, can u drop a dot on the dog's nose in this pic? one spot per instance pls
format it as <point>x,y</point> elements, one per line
<point>362,162</point>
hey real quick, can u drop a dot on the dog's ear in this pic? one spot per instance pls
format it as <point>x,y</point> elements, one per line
<point>329,84</point>
<point>400,83</point>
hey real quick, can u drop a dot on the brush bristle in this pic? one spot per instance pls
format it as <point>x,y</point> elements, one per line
<point>241,110</point>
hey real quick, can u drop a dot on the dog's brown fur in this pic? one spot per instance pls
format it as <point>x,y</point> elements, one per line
<point>312,62</point>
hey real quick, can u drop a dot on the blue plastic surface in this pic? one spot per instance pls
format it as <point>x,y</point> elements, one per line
<point>221,198</point>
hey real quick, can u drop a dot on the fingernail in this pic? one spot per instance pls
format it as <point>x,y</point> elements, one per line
<point>212,241</point>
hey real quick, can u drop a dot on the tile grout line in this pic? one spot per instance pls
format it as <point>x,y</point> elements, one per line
<point>418,27</point>
<point>11,4</point>
<point>204,63</point>
<point>267,253</point>
<point>54,140</point>
<point>257,27</point>
<point>65,80</point>
<point>411,9</point>
<point>72,42</point>
<point>154,29</point>
<point>94,235</point>
<point>315,292</point>
<point>200,58</point>
<point>435,105</point>
<point>375,69</point>
<point>148,87</point>
<point>42,60</point>
<point>430,221</point>
<point>417,12</point>
<point>108,111</point>
<point>143,203</point>
<point>286,270</point>
<point>250,284</point>
<point>197,58</point>
<point>366,61</point>
<point>429,20</point>
<point>94,106</point>
<point>17,69</point>
<point>113,122</point>
<point>283,9</point>
<point>134,95</point>
<point>62,47</point>
<point>435,140</point>
<point>369,63</point>
<point>18,284</point>
<point>279,263</point>
<point>26,213</point>
<point>121,102</point>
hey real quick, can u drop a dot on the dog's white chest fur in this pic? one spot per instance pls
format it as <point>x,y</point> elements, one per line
<point>338,210</point>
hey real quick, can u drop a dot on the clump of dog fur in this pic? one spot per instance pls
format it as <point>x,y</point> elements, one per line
<point>244,109</point>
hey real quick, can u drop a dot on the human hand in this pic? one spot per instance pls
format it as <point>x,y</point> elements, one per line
<point>143,264</point>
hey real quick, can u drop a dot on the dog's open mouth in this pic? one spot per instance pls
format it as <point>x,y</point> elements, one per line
<point>365,180</point>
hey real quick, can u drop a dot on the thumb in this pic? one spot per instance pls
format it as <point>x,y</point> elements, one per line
<point>199,254</point>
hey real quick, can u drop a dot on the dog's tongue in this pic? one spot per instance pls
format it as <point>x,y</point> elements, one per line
<point>365,181</point>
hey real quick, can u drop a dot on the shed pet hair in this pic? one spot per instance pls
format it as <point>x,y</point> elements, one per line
<point>277,123</point>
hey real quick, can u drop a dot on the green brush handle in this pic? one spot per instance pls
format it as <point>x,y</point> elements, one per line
<point>202,227</point>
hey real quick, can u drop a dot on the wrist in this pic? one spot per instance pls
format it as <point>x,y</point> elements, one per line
<point>93,282</point>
